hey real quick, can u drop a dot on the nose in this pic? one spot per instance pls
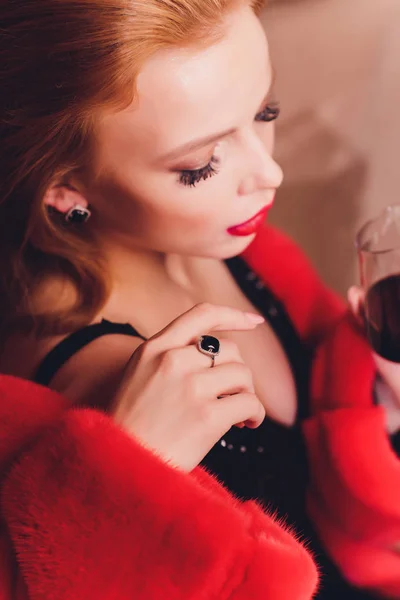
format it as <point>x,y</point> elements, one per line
<point>262,171</point>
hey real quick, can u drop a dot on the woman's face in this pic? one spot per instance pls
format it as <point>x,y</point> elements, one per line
<point>192,156</point>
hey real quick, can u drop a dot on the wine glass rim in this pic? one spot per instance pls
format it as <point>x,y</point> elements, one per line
<point>361,245</point>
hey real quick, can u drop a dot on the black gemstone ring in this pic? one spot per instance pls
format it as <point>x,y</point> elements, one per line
<point>209,345</point>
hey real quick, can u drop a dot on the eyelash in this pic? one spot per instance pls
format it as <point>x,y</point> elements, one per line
<point>192,177</point>
<point>270,113</point>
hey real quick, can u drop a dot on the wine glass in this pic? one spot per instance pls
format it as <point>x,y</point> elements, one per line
<point>378,247</point>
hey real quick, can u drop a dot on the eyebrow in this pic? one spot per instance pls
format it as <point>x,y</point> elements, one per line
<point>201,142</point>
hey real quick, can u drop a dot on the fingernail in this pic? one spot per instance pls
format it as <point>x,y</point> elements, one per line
<point>254,318</point>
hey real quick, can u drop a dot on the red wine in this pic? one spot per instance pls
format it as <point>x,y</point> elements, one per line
<point>382,317</point>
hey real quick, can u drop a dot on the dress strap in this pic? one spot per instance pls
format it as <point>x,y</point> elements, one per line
<point>55,359</point>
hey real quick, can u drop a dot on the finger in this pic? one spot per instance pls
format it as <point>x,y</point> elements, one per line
<point>190,360</point>
<point>225,380</point>
<point>229,353</point>
<point>240,408</point>
<point>356,299</point>
<point>201,319</point>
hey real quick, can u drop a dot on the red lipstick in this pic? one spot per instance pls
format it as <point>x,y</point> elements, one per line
<point>251,225</point>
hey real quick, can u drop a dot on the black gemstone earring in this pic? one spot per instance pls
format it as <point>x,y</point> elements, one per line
<point>77,214</point>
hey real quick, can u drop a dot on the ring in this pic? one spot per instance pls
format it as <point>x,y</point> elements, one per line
<point>209,345</point>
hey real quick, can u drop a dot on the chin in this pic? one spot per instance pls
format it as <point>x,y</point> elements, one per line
<point>238,245</point>
<point>230,248</point>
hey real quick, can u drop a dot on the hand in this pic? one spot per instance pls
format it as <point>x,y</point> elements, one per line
<point>389,371</point>
<point>168,398</point>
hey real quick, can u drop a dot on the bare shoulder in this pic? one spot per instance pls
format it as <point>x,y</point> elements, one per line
<point>91,375</point>
<point>88,377</point>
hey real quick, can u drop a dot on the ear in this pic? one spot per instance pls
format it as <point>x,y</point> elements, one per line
<point>63,197</point>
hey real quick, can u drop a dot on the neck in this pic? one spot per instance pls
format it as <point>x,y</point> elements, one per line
<point>143,268</point>
<point>147,280</point>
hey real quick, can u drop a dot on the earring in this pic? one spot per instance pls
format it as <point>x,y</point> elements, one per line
<point>77,214</point>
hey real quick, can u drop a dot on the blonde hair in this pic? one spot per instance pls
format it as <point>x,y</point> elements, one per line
<point>61,61</point>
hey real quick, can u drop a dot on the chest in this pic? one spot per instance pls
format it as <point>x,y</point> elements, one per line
<point>263,348</point>
<point>267,463</point>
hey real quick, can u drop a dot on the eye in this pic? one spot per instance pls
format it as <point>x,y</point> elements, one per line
<point>192,177</point>
<point>269,113</point>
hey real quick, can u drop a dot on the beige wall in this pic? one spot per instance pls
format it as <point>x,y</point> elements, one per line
<point>338,139</point>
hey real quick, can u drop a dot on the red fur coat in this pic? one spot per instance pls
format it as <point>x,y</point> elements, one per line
<point>354,495</point>
<point>87,513</point>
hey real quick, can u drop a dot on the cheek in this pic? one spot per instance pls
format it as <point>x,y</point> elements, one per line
<point>184,222</point>
<point>165,210</point>
<point>189,208</point>
<point>153,206</point>
<point>204,204</point>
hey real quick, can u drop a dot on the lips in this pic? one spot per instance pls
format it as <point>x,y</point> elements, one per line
<point>251,225</point>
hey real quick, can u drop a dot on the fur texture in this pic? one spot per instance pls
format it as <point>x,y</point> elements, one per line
<point>354,495</point>
<point>90,514</point>
<point>87,513</point>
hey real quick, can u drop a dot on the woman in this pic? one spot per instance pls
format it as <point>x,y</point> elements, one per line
<point>136,143</point>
